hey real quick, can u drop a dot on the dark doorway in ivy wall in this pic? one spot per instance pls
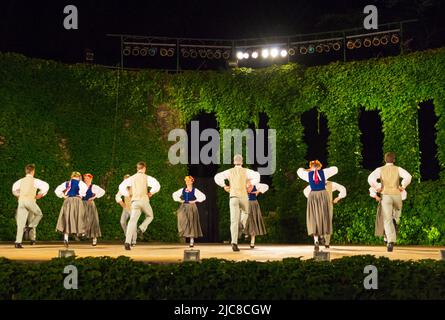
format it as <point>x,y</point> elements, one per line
<point>429,164</point>
<point>204,174</point>
<point>262,125</point>
<point>371,137</point>
<point>316,135</point>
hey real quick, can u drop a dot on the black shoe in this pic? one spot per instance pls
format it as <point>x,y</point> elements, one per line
<point>33,242</point>
<point>235,247</point>
<point>65,243</point>
<point>326,246</point>
<point>18,245</point>
<point>252,246</point>
<point>390,247</point>
<point>191,245</point>
<point>127,246</point>
<point>140,234</point>
<point>316,247</point>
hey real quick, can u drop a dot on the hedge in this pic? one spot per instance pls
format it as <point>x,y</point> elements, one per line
<point>213,279</point>
<point>88,118</point>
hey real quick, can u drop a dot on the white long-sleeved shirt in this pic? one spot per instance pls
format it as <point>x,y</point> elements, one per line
<point>151,182</point>
<point>261,187</point>
<point>335,187</point>
<point>328,172</point>
<point>373,192</point>
<point>253,176</point>
<point>200,197</point>
<point>376,174</point>
<point>98,191</point>
<point>61,188</point>
<point>41,185</point>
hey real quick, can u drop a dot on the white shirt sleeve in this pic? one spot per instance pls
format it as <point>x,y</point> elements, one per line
<point>262,187</point>
<point>253,176</point>
<point>16,188</point>
<point>98,191</point>
<point>306,191</point>
<point>406,177</point>
<point>124,185</point>
<point>59,190</point>
<point>42,186</point>
<point>303,174</point>
<point>153,184</point>
<point>404,194</point>
<point>330,172</point>
<point>373,177</point>
<point>177,195</point>
<point>221,177</point>
<point>373,191</point>
<point>83,188</point>
<point>200,197</point>
<point>118,197</point>
<point>341,189</point>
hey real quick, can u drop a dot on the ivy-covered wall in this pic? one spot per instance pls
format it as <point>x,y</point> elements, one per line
<point>67,117</point>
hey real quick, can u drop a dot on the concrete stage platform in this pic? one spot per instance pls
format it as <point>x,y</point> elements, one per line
<point>172,253</point>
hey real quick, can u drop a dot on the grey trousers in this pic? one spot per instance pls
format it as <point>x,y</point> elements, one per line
<point>27,211</point>
<point>124,217</point>
<point>391,209</point>
<point>236,206</point>
<point>137,207</point>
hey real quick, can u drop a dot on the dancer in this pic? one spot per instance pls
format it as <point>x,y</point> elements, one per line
<point>125,203</point>
<point>140,200</point>
<point>318,212</point>
<point>92,226</point>
<point>239,178</point>
<point>188,216</point>
<point>255,225</point>
<point>379,230</point>
<point>72,214</point>
<point>331,187</point>
<point>25,190</point>
<point>391,189</point>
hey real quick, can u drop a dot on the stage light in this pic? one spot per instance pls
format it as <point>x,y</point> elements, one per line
<point>226,55</point>
<point>152,51</point>
<point>303,50</point>
<point>185,53</point>
<point>357,43</point>
<point>170,52</point>
<point>336,46</point>
<point>283,53</point>
<point>274,52</point>
<point>126,51</point>
<point>326,47</point>
<point>350,45</point>
<point>319,48</point>
<point>210,54</point>
<point>240,55</point>
<point>376,41</point>
<point>291,51</point>
<point>163,52</point>
<point>245,55</point>
<point>384,40</point>
<point>202,53</point>
<point>395,39</point>
<point>255,54</point>
<point>265,53</point>
<point>193,54</point>
<point>135,51</point>
<point>217,54</point>
<point>367,42</point>
<point>311,48</point>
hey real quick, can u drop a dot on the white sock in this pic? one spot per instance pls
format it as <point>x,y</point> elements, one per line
<point>94,240</point>
<point>315,239</point>
<point>252,240</point>
<point>65,237</point>
<point>192,240</point>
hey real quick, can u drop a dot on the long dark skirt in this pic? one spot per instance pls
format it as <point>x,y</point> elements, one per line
<point>188,221</point>
<point>72,216</point>
<point>92,226</point>
<point>318,214</point>
<point>255,224</point>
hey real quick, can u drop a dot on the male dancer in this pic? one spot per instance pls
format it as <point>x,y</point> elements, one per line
<point>239,178</point>
<point>140,200</point>
<point>125,203</point>
<point>25,190</point>
<point>389,176</point>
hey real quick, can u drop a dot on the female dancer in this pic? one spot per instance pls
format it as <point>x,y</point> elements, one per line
<point>255,224</point>
<point>92,227</point>
<point>318,219</point>
<point>188,216</point>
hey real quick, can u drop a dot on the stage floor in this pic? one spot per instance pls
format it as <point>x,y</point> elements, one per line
<point>171,253</point>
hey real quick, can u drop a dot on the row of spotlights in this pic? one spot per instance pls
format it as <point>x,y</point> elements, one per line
<point>376,41</point>
<point>206,53</point>
<point>276,52</point>
<point>265,53</point>
<point>144,51</point>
